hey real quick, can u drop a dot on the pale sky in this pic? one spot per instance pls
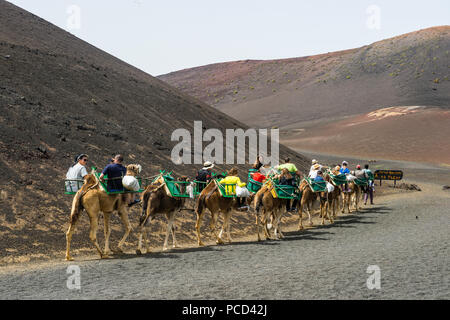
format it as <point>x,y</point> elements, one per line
<point>164,36</point>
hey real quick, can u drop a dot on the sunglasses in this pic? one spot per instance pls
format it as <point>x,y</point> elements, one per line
<point>85,160</point>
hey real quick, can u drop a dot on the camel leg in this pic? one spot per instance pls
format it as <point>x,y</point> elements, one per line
<point>266,224</point>
<point>212,225</point>
<point>139,248</point>
<point>300,214</point>
<point>279,225</point>
<point>69,237</point>
<point>197,228</point>
<point>227,224</point>
<point>308,208</point>
<point>219,237</point>
<point>329,206</point>
<point>107,231</point>
<point>322,213</point>
<point>333,205</point>
<point>170,219</point>
<point>123,214</point>
<point>277,221</point>
<point>257,226</point>
<point>174,239</point>
<point>93,232</point>
<point>142,234</point>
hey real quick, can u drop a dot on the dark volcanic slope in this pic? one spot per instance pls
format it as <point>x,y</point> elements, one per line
<point>411,69</point>
<point>60,96</point>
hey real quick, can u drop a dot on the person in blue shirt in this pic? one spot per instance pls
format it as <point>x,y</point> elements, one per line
<point>319,176</point>
<point>345,170</point>
<point>114,170</point>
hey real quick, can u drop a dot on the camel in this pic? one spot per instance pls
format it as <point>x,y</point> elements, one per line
<point>156,200</point>
<point>353,195</point>
<point>308,198</point>
<point>210,198</point>
<point>92,198</point>
<point>130,182</point>
<point>333,198</point>
<point>272,209</point>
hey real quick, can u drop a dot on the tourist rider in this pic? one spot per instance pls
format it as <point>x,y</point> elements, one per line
<point>319,176</point>
<point>204,175</point>
<point>76,172</point>
<point>233,179</point>
<point>258,176</point>
<point>314,169</point>
<point>344,170</point>
<point>361,174</point>
<point>294,172</point>
<point>115,171</point>
<point>286,179</point>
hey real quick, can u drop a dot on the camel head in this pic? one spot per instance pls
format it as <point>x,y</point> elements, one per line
<point>182,186</point>
<point>90,179</point>
<point>133,169</point>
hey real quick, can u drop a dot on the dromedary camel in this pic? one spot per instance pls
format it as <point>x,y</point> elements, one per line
<point>156,200</point>
<point>272,209</point>
<point>334,197</point>
<point>210,198</point>
<point>94,200</point>
<point>308,198</point>
<point>352,194</point>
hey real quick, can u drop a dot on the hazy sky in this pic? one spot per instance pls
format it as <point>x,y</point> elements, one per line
<point>164,36</point>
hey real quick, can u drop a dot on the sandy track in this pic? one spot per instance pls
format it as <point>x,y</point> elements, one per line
<point>325,262</point>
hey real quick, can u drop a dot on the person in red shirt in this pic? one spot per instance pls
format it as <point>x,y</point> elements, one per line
<point>257,176</point>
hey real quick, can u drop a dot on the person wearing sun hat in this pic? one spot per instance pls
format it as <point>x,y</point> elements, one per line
<point>314,169</point>
<point>204,175</point>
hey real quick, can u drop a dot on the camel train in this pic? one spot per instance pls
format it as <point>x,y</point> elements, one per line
<point>267,197</point>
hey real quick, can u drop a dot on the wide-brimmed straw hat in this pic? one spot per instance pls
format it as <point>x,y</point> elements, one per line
<point>314,161</point>
<point>208,165</point>
<point>316,166</point>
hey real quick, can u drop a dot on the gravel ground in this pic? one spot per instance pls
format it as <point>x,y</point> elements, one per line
<point>321,263</point>
<point>406,235</point>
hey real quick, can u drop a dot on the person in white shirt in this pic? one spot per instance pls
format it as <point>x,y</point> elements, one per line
<point>76,172</point>
<point>314,169</point>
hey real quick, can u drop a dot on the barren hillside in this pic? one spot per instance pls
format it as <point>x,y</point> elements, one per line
<point>411,69</point>
<point>60,96</point>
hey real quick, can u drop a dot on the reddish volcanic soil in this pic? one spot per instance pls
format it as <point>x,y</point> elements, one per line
<point>404,133</point>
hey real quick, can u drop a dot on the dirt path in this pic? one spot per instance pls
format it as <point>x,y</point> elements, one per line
<point>405,235</point>
<point>324,262</point>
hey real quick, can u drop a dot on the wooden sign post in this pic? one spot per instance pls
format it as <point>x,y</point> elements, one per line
<point>388,175</point>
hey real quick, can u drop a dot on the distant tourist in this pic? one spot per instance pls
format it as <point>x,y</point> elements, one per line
<point>370,188</point>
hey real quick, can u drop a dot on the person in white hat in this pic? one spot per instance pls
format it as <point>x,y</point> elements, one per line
<point>314,168</point>
<point>204,175</point>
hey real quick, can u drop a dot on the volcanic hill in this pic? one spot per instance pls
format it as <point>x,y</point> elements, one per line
<point>60,96</point>
<point>301,95</point>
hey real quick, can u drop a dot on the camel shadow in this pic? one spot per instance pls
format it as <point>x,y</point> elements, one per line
<point>308,234</point>
<point>378,209</point>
